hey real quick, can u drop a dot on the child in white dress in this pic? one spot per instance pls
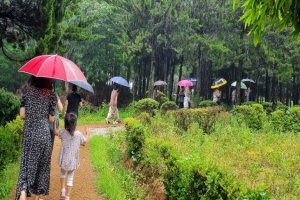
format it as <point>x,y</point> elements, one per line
<point>68,158</point>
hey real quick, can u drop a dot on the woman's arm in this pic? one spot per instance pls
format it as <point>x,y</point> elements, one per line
<point>87,134</point>
<point>66,107</point>
<point>51,118</point>
<point>59,106</point>
<point>55,131</point>
<point>22,112</point>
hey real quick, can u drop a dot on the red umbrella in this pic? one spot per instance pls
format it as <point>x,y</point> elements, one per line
<point>185,83</point>
<point>53,66</point>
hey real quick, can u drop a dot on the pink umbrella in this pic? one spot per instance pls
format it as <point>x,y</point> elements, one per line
<point>53,66</point>
<point>185,83</point>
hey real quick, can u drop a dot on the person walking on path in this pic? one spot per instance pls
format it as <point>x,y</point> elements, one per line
<point>233,98</point>
<point>37,108</point>
<point>73,101</point>
<point>217,96</point>
<point>68,158</point>
<point>155,96</point>
<point>113,109</point>
<point>187,97</point>
<point>181,97</point>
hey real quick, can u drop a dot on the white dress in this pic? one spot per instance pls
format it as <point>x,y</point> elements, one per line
<point>68,158</point>
<point>187,94</point>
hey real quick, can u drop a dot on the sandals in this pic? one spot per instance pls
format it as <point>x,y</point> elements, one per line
<point>63,193</point>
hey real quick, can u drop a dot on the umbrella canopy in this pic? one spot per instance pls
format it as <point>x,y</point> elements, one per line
<point>119,80</point>
<point>185,83</point>
<point>243,85</point>
<point>159,83</point>
<point>248,80</point>
<point>53,66</point>
<point>218,83</point>
<point>83,84</point>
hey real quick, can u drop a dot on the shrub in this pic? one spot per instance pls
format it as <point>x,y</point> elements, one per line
<point>10,142</point>
<point>254,115</point>
<point>207,103</point>
<point>249,103</point>
<point>276,120</point>
<point>10,106</point>
<point>145,105</point>
<point>135,139</point>
<point>168,105</point>
<point>267,106</point>
<point>295,118</point>
<point>284,108</point>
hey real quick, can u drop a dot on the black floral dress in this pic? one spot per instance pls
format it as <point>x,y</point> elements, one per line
<point>34,175</point>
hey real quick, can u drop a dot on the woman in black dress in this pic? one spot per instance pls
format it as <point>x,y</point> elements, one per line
<point>37,108</point>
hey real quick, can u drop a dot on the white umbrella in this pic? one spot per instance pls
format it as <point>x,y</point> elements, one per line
<point>248,80</point>
<point>159,83</point>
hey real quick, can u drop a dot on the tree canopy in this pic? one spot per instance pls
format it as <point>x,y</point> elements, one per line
<point>282,14</point>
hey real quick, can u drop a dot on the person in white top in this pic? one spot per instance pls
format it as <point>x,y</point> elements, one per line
<point>216,96</point>
<point>68,158</point>
<point>113,109</point>
<point>187,97</point>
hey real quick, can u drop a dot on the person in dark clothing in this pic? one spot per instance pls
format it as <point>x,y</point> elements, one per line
<point>73,101</point>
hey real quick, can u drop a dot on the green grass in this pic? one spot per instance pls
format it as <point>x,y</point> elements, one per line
<point>86,116</point>
<point>9,177</point>
<point>113,180</point>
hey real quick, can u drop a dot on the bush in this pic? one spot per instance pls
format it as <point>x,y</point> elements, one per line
<point>10,107</point>
<point>207,103</point>
<point>249,103</point>
<point>10,142</point>
<point>267,106</point>
<point>168,105</point>
<point>135,139</point>
<point>145,105</point>
<point>254,115</point>
<point>295,118</point>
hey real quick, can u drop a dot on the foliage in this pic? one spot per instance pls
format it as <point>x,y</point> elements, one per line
<point>207,103</point>
<point>145,105</point>
<point>106,155</point>
<point>281,121</point>
<point>168,105</point>
<point>267,107</point>
<point>8,177</point>
<point>254,115</point>
<point>10,142</point>
<point>135,138</point>
<point>295,119</point>
<point>205,117</point>
<point>9,105</point>
<point>280,14</point>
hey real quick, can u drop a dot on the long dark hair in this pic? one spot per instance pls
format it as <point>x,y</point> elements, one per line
<point>40,82</point>
<point>70,122</point>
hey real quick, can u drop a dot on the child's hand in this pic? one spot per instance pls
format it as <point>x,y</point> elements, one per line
<point>86,130</point>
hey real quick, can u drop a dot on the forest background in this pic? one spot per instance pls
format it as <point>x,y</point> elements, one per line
<point>148,40</point>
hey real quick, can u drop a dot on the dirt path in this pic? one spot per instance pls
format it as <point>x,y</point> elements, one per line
<point>84,178</point>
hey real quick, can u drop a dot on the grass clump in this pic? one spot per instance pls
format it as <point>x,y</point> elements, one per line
<point>113,180</point>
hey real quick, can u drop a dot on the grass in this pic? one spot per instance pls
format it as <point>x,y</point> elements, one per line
<point>9,177</point>
<point>113,180</point>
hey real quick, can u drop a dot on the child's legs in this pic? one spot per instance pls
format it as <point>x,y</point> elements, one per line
<point>62,178</point>
<point>70,182</point>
